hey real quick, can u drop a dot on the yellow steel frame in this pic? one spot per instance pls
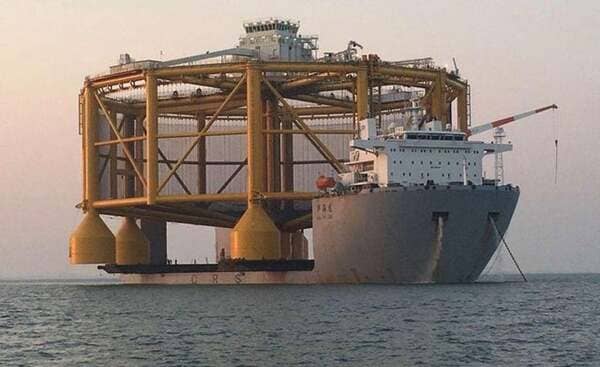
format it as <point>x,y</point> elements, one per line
<point>273,83</point>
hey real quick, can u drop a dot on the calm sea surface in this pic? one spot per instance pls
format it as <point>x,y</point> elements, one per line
<point>554,320</point>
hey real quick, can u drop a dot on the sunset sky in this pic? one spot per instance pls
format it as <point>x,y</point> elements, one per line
<point>516,55</point>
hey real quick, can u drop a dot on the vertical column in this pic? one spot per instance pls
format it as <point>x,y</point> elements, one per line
<point>362,94</point>
<point>287,147</point>
<point>136,127</point>
<point>256,151</point>
<point>129,173</point>
<point>273,148</point>
<point>156,233</point>
<point>201,117</point>
<point>151,138</point>
<point>255,236</point>
<point>113,160</point>
<point>90,131</point>
<point>92,242</point>
<point>461,110</point>
<point>438,103</point>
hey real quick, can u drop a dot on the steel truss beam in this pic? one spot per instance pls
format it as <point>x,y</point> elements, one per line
<point>120,139</point>
<point>321,148</point>
<point>204,130</point>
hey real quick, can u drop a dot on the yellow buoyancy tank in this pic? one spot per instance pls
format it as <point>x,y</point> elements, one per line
<point>132,245</point>
<point>92,242</point>
<point>255,236</point>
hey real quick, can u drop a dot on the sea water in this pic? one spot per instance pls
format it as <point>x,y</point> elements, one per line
<point>553,320</point>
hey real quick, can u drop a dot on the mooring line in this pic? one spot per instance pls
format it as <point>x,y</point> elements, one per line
<point>507,248</point>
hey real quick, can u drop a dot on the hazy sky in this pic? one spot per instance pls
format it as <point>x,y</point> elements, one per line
<point>517,56</point>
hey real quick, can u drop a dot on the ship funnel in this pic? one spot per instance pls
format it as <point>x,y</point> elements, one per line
<point>132,246</point>
<point>92,242</point>
<point>255,236</point>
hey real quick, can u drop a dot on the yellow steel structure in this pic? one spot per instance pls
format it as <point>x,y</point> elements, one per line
<point>255,236</point>
<point>92,242</point>
<point>122,140</point>
<point>151,139</point>
<point>132,246</point>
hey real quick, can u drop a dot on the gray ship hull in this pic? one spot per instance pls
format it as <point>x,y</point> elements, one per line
<point>442,234</point>
<point>439,234</point>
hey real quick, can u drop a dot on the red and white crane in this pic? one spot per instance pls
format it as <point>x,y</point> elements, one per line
<point>499,136</point>
<point>494,124</point>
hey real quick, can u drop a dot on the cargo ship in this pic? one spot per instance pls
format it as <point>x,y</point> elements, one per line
<point>235,139</point>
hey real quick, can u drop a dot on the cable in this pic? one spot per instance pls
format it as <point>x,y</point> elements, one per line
<point>556,124</point>
<point>508,249</point>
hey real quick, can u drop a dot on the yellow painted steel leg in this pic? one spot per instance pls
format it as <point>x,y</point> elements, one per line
<point>201,155</point>
<point>91,242</point>
<point>255,236</point>
<point>461,110</point>
<point>151,139</point>
<point>362,94</point>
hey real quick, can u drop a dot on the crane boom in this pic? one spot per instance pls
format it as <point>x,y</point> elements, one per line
<point>490,125</point>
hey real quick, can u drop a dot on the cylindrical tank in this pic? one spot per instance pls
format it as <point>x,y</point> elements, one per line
<point>132,246</point>
<point>92,242</point>
<point>255,236</point>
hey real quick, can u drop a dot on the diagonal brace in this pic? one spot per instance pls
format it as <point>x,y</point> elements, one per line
<point>204,130</point>
<point>316,142</point>
<point>120,139</point>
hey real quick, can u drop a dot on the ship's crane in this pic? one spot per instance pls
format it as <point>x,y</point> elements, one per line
<point>499,136</point>
<point>494,124</point>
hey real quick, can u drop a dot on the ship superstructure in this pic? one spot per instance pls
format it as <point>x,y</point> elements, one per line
<point>426,156</point>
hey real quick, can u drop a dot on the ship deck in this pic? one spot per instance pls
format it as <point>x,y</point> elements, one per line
<point>223,266</point>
